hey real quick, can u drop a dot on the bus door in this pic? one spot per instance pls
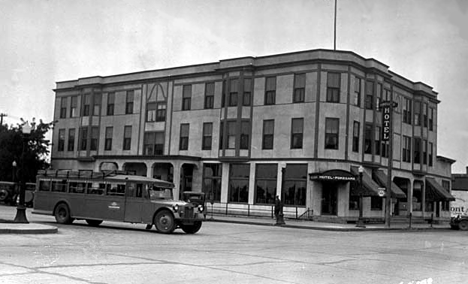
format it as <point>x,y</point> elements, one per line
<point>107,202</point>
<point>134,202</point>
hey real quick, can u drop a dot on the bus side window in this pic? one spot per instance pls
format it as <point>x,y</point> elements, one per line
<point>139,190</point>
<point>130,190</point>
<point>44,185</point>
<point>121,189</point>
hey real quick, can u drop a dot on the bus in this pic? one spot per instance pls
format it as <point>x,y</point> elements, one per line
<point>113,196</point>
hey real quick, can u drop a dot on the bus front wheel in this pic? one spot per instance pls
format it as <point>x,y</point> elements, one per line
<point>62,214</point>
<point>164,222</point>
<point>191,229</point>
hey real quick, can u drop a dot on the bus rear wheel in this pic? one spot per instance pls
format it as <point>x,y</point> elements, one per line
<point>164,222</point>
<point>191,229</point>
<point>463,225</point>
<point>62,214</point>
<point>93,223</point>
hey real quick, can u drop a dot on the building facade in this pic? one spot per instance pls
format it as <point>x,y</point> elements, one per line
<point>244,130</point>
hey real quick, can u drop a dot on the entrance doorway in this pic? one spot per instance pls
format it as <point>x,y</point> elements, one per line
<point>329,198</point>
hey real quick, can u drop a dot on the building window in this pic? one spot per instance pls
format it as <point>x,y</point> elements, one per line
<point>245,134</point>
<point>129,102</point>
<point>186,97</point>
<point>297,133</point>
<point>377,134</point>
<point>368,139</point>
<point>299,88</point>
<point>212,174</point>
<point>61,140</point>
<point>108,138</point>
<point>357,91</point>
<point>431,154</point>
<point>209,95</point>
<point>239,183</point>
<point>73,106</point>
<point>407,111</point>
<point>406,149</point>
<point>417,150</point>
<point>424,144</point>
<point>110,103</point>
<point>417,113</point>
<point>153,143</point>
<point>265,183</point>
<point>331,133</point>
<point>425,116</point>
<point>150,111</point>
<point>207,135</point>
<point>270,91</point>
<point>431,119</point>
<point>333,87</point>
<point>83,138</point>
<point>86,104</point>
<point>247,98</point>
<point>295,184</point>
<point>127,142</point>
<point>97,101</point>
<point>231,134</point>
<point>71,140</point>
<point>161,111</point>
<point>369,103</point>
<point>376,203</point>
<point>356,131</point>
<point>385,149</point>
<point>268,134</point>
<point>233,92</point>
<point>94,138</point>
<point>223,96</point>
<point>63,107</point>
<point>184,136</point>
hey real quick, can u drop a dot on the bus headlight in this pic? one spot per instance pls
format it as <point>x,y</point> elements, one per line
<point>200,208</point>
<point>175,207</point>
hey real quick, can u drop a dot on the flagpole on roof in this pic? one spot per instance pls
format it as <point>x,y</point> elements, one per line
<point>334,29</point>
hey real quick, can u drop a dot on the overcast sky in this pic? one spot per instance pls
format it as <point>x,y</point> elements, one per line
<point>42,42</point>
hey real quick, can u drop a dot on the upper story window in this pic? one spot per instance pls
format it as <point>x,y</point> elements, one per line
<point>94,138</point>
<point>63,107</point>
<point>297,133</point>
<point>331,133</point>
<point>356,132</point>
<point>184,136</point>
<point>270,91</point>
<point>417,150</point>
<point>431,154</point>
<point>369,95</point>
<point>86,104</point>
<point>209,95</point>
<point>333,87</point>
<point>153,143</point>
<point>71,140</point>
<point>97,100</point>
<point>73,106</point>
<point>161,111</point>
<point>129,102</point>
<point>407,110</point>
<point>417,113</point>
<point>368,138</point>
<point>431,119</point>
<point>247,98</point>
<point>207,135</point>
<point>425,116</point>
<point>357,92</point>
<point>83,138</point>
<point>108,138</point>
<point>110,103</point>
<point>245,134</point>
<point>186,97</point>
<point>233,92</point>
<point>299,88</point>
<point>268,134</point>
<point>406,149</point>
<point>127,142</point>
<point>61,140</point>
<point>151,111</point>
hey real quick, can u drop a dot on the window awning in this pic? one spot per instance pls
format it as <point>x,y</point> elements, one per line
<point>382,177</point>
<point>370,188</point>
<point>435,191</point>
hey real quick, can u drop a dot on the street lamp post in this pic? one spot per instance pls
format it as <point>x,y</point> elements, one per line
<point>360,222</point>
<point>21,209</point>
<point>13,174</point>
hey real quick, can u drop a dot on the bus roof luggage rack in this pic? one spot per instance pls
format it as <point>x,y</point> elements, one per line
<point>117,172</point>
<point>62,173</point>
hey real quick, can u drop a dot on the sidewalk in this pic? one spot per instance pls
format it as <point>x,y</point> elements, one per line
<point>35,226</point>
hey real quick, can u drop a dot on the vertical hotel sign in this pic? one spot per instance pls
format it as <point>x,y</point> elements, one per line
<point>387,112</point>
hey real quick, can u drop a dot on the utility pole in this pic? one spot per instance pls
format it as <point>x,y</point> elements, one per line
<point>1,118</point>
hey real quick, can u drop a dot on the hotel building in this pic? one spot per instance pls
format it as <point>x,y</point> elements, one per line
<point>244,130</point>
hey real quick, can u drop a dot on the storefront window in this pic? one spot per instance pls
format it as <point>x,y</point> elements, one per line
<point>239,183</point>
<point>295,182</point>
<point>212,181</point>
<point>265,183</point>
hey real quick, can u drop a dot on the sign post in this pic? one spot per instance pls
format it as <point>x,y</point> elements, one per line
<point>387,135</point>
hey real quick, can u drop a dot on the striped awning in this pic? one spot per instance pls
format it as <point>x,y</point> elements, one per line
<point>436,192</point>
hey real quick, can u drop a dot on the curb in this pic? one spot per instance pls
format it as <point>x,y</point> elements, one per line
<point>31,228</point>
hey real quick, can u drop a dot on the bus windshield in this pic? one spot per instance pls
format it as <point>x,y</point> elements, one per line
<point>158,193</point>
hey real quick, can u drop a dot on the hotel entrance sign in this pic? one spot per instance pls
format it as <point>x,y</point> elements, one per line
<point>387,107</point>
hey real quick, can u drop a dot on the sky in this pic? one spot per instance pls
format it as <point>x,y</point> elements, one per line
<point>47,41</point>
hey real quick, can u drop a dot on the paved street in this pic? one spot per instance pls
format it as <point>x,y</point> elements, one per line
<point>230,253</point>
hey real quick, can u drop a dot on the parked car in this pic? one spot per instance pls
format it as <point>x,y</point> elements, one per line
<point>196,198</point>
<point>459,223</point>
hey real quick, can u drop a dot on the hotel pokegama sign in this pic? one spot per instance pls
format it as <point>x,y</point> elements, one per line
<point>333,175</point>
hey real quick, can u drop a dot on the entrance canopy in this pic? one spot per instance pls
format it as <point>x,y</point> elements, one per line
<point>435,192</point>
<point>381,178</point>
<point>370,188</point>
<point>333,175</point>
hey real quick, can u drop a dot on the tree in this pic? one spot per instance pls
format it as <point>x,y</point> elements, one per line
<point>11,148</point>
